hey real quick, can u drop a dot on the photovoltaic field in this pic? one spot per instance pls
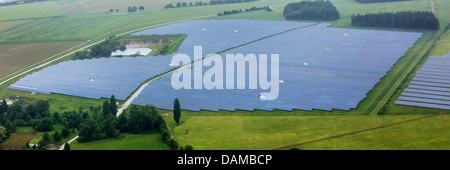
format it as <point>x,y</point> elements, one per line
<point>430,86</point>
<point>322,68</point>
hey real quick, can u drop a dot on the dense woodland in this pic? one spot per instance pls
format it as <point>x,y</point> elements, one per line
<point>408,20</point>
<point>311,10</point>
<point>376,1</point>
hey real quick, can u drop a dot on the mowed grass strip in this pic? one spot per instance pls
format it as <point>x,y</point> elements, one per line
<point>268,132</point>
<point>14,57</point>
<point>31,10</point>
<point>126,141</point>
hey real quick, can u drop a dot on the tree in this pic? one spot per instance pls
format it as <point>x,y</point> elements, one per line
<point>109,126</point>
<point>46,137</point>
<point>56,136</point>
<point>46,124</point>
<point>89,131</point>
<point>3,134</point>
<point>4,106</point>
<point>172,144</point>
<point>106,108</point>
<point>165,135</point>
<point>176,111</point>
<point>56,117</point>
<point>113,105</point>
<point>66,146</point>
<point>65,132</point>
<point>111,10</point>
<point>42,143</point>
<point>123,123</point>
<point>188,147</point>
<point>141,8</point>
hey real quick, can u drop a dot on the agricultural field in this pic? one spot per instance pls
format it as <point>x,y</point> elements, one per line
<point>31,10</point>
<point>17,56</point>
<point>100,6</point>
<point>7,24</point>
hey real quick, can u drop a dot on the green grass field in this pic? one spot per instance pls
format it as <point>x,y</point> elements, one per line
<point>149,141</point>
<point>31,10</point>
<point>427,134</point>
<point>272,132</point>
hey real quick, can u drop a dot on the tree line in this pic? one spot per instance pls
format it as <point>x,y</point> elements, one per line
<point>103,49</point>
<point>311,10</point>
<point>267,8</point>
<point>376,1</point>
<point>201,3</point>
<point>408,20</point>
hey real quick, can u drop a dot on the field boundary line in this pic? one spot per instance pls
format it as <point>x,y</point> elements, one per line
<point>358,131</point>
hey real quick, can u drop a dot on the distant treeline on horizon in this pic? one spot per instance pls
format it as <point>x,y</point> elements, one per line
<point>375,1</point>
<point>17,2</point>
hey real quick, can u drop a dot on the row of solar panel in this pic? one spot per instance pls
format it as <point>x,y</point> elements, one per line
<point>430,87</point>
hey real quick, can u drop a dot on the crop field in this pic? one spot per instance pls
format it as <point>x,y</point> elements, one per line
<point>99,6</point>
<point>31,10</point>
<point>17,56</point>
<point>7,24</point>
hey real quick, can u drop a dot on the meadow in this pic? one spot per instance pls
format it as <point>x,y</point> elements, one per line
<point>275,132</point>
<point>147,141</point>
<point>31,10</point>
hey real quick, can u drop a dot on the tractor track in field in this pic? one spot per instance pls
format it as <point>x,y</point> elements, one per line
<point>355,132</point>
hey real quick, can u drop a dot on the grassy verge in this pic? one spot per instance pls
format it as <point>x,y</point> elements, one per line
<point>148,141</point>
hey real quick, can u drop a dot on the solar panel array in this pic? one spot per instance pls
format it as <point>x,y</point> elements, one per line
<point>322,68</point>
<point>342,66</point>
<point>121,76</point>
<point>430,86</point>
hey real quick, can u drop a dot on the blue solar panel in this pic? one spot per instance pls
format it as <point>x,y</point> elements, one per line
<point>431,85</point>
<point>337,78</point>
<point>344,65</point>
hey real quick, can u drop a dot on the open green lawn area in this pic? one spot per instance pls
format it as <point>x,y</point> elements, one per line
<point>126,141</point>
<point>273,132</point>
<point>426,134</point>
<point>31,10</point>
